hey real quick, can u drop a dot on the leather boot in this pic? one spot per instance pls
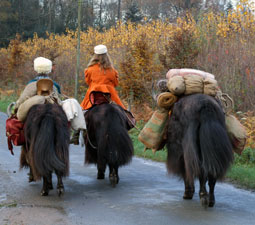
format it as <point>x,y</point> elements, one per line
<point>75,137</point>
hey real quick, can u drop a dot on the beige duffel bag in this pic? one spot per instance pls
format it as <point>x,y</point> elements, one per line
<point>26,105</point>
<point>29,91</point>
<point>236,133</point>
<point>190,81</point>
<point>210,87</point>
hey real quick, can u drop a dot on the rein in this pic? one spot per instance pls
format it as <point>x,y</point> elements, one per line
<point>93,146</point>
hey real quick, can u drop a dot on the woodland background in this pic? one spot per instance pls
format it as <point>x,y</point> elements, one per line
<point>145,39</point>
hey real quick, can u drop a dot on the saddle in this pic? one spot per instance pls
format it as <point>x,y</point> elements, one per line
<point>97,98</point>
<point>44,87</point>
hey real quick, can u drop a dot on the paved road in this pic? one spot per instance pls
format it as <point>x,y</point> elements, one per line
<point>146,195</point>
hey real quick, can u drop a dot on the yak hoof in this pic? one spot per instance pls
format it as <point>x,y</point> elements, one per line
<point>188,194</point>
<point>113,180</point>
<point>211,202</point>
<point>44,193</point>
<point>100,176</point>
<point>61,191</point>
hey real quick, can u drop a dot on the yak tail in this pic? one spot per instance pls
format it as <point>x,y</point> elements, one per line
<point>216,148</point>
<point>116,146</point>
<point>190,149</point>
<point>211,149</point>
<point>49,144</point>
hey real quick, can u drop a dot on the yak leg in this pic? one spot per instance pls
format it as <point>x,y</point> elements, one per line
<point>60,185</point>
<point>211,183</point>
<point>45,189</point>
<point>30,176</point>
<point>189,189</point>
<point>203,192</point>
<point>113,175</point>
<point>50,186</point>
<point>101,170</point>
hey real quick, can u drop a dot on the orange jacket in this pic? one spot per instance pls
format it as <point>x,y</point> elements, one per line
<point>101,80</point>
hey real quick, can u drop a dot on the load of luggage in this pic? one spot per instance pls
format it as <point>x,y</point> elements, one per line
<point>180,82</point>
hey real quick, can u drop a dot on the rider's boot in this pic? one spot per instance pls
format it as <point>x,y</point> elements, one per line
<point>75,137</point>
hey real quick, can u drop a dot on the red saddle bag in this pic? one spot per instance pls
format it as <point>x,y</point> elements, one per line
<point>14,132</point>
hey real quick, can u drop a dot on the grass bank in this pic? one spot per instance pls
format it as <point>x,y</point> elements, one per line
<point>5,101</point>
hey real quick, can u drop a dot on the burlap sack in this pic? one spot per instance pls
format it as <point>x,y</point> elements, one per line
<point>236,133</point>
<point>176,85</point>
<point>29,91</point>
<point>210,87</point>
<point>152,133</point>
<point>166,100</point>
<point>26,105</point>
<point>194,84</point>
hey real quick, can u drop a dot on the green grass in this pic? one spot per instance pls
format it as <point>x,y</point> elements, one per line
<point>159,156</point>
<point>5,101</point>
<point>8,205</point>
<point>242,176</point>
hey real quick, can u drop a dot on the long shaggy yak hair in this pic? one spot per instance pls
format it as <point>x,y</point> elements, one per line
<point>107,133</point>
<point>197,141</point>
<point>47,141</point>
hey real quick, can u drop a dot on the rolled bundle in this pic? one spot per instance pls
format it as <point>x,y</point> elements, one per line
<point>210,86</point>
<point>26,105</point>
<point>176,85</point>
<point>29,91</point>
<point>162,85</point>
<point>194,84</point>
<point>166,99</point>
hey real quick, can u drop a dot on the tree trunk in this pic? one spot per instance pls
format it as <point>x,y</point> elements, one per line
<point>119,7</point>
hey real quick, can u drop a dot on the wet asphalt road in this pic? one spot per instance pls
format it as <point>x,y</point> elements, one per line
<point>146,195</point>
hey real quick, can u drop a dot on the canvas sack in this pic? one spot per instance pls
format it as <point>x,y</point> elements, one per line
<point>152,133</point>
<point>236,133</point>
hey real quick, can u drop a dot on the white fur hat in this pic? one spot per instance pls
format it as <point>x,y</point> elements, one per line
<point>42,65</point>
<point>100,49</point>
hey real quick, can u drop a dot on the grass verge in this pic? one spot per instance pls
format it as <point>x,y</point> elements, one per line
<point>159,156</point>
<point>243,176</point>
<point>5,101</point>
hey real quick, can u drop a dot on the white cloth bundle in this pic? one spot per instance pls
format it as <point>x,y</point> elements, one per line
<point>184,72</point>
<point>74,113</point>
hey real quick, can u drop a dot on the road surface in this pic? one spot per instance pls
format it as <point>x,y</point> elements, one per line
<point>146,195</point>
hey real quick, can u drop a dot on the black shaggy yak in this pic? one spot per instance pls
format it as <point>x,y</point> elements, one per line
<point>198,144</point>
<point>47,145</point>
<point>108,141</point>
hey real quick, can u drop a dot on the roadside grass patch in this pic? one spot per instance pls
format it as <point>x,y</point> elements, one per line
<point>242,172</point>
<point>5,101</point>
<point>159,156</point>
<point>8,205</point>
<point>243,176</point>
